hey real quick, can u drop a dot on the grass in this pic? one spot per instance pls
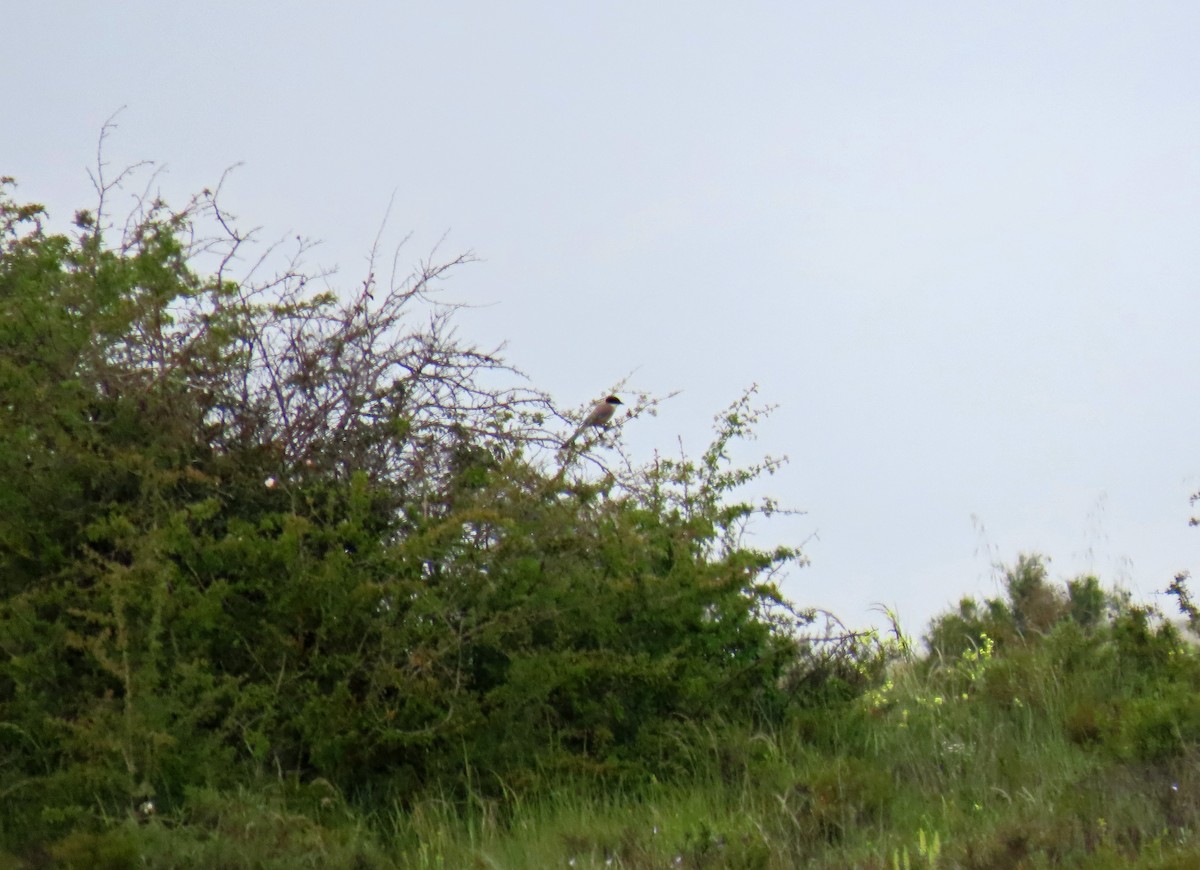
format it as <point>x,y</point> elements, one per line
<point>1075,746</point>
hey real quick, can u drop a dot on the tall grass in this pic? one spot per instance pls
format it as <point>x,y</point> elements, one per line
<point>1072,744</point>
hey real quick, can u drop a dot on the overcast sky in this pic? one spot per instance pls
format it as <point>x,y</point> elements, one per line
<point>957,243</point>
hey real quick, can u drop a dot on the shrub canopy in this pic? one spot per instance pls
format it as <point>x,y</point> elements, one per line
<point>250,528</point>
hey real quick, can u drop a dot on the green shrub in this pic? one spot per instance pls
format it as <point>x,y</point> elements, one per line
<point>250,530</point>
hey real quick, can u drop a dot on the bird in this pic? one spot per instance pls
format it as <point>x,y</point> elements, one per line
<point>599,415</point>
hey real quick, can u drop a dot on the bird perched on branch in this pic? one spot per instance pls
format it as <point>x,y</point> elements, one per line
<point>599,415</point>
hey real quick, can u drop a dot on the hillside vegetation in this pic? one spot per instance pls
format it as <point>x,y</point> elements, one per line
<point>291,575</point>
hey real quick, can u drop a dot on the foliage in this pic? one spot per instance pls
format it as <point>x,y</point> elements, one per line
<point>287,580</point>
<point>251,531</point>
<point>982,762</point>
<point>1031,608</point>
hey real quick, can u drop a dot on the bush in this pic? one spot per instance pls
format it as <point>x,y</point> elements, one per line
<point>251,530</point>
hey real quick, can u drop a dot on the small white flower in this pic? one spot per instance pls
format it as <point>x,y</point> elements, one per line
<point>146,808</point>
<point>270,483</point>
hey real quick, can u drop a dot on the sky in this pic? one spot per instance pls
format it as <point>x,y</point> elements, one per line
<point>956,244</point>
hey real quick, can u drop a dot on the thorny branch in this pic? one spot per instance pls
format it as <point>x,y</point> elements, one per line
<point>375,380</point>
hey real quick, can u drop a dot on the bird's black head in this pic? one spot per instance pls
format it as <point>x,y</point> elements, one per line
<point>613,400</point>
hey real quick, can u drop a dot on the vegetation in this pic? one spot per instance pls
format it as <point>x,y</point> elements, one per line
<point>292,577</point>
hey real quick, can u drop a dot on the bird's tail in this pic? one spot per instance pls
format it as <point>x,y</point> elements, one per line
<point>570,442</point>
